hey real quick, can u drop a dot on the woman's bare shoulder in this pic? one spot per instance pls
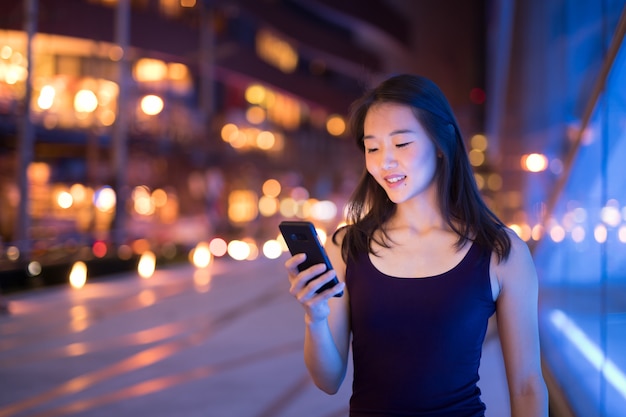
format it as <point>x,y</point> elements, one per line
<point>519,262</point>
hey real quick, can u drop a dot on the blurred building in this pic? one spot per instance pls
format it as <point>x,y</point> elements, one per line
<point>202,102</point>
<point>193,120</point>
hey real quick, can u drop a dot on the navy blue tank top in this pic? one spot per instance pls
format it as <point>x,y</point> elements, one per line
<point>417,342</point>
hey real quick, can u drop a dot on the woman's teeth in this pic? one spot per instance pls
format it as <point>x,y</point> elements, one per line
<point>395,179</point>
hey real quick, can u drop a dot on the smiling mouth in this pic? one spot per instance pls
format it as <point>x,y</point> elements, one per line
<point>394,180</point>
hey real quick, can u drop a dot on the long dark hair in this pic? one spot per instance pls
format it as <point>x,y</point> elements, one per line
<point>460,202</point>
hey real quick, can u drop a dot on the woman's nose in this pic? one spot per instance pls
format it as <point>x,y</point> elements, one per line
<point>389,162</point>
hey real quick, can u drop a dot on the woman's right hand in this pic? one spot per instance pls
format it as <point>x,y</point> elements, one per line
<point>304,287</point>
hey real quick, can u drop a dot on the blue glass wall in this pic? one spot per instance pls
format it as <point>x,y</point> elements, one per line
<point>582,263</point>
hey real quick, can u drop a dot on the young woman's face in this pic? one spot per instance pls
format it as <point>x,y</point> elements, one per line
<point>398,152</point>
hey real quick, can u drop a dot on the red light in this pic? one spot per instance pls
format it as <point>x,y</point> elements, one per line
<point>99,249</point>
<point>477,95</point>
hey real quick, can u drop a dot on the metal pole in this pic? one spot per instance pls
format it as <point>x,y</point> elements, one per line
<point>26,136</point>
<point>120,129</point>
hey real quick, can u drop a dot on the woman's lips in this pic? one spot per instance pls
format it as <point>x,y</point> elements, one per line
<point>394,180</point>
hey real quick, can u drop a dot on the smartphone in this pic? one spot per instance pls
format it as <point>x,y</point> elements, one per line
<point>301,237</point>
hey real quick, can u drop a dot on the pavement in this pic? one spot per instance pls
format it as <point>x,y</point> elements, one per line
<point>225,341</point>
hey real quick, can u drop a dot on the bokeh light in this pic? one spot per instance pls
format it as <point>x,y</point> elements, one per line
<point>272,249</point>
<point>238,250</point>
<point>201,255</point>
<point>151,104</point>
<point>78,275</point>
<point>218,246</point>
<point>146,265</point>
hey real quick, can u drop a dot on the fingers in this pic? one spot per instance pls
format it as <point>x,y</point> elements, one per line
<point>292,264</point>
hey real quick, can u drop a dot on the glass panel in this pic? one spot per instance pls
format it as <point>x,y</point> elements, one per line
<point>583,275</point>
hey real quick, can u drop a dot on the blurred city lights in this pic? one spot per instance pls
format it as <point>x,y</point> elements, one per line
<point>494,182</point>
<point>65,200</point>
<point>147,69</point>
<point>621,234</point>
<point>151,104</point>
<point>78,275</point>
<point>46,97</point>
<point>479,142</point>
<point>201,255</point>
<point>255,94</point>
<point>288,207</point>
<point>218,246</point>
<point>140,246</point>
<point>253,249</point>
<point>580,215</point>
<point>578,234</point>
<point>557,233</point>
<point>299,193</point>
<point>124,252</point>
<point>159,197</point>
<point>272,249</point>
<point>85,101</point>
<point>255,115</point>
<point>242,206</point>
<point>271,188</point>
<point>13,253</point>
<point>324,210</point>
<point>477,95</point>
<point>265,140</point>
<point>104,199</point>
<point>600,233</point>
<point>99,249</point>
<point>276,51</point>
<point>610,214</point>
<point>238,250</point>
<point>187,3</point>
<point>335,125</point>
<point>78,193</point>
<point>228,130</point>
<point>516,228</point>
<point>268,206</point>
<point>476,157</point>
<point>534,162</point>
<point>556,166</point>
<point>142,201</point>
<point>147,264</point>
<point>537,232</point>
<point>34,268</point>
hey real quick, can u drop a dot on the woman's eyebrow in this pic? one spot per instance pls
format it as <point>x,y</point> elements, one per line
<point>393,133</point>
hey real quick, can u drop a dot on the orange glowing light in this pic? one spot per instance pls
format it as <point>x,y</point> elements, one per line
<point>534,162</point>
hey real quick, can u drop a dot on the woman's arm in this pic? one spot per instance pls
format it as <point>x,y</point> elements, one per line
<point>327,329</point>
<point>516,309</point>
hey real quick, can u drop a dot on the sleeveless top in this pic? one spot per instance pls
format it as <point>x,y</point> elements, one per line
<point>417,342</point>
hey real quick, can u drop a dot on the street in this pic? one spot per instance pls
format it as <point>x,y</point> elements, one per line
<point>225,341</point>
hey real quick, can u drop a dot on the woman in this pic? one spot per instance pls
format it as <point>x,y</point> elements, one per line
<point>424,264</point>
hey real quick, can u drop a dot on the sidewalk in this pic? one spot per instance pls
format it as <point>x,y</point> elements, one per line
<point>221,342</point>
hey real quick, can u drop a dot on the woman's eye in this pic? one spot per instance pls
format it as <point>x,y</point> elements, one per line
<point>402,145</point>
<point>370,150</point>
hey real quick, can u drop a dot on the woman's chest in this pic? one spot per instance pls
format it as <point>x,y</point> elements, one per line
<point>418,259</point>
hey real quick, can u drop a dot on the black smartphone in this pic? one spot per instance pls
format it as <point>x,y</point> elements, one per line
<point>301,237</point>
